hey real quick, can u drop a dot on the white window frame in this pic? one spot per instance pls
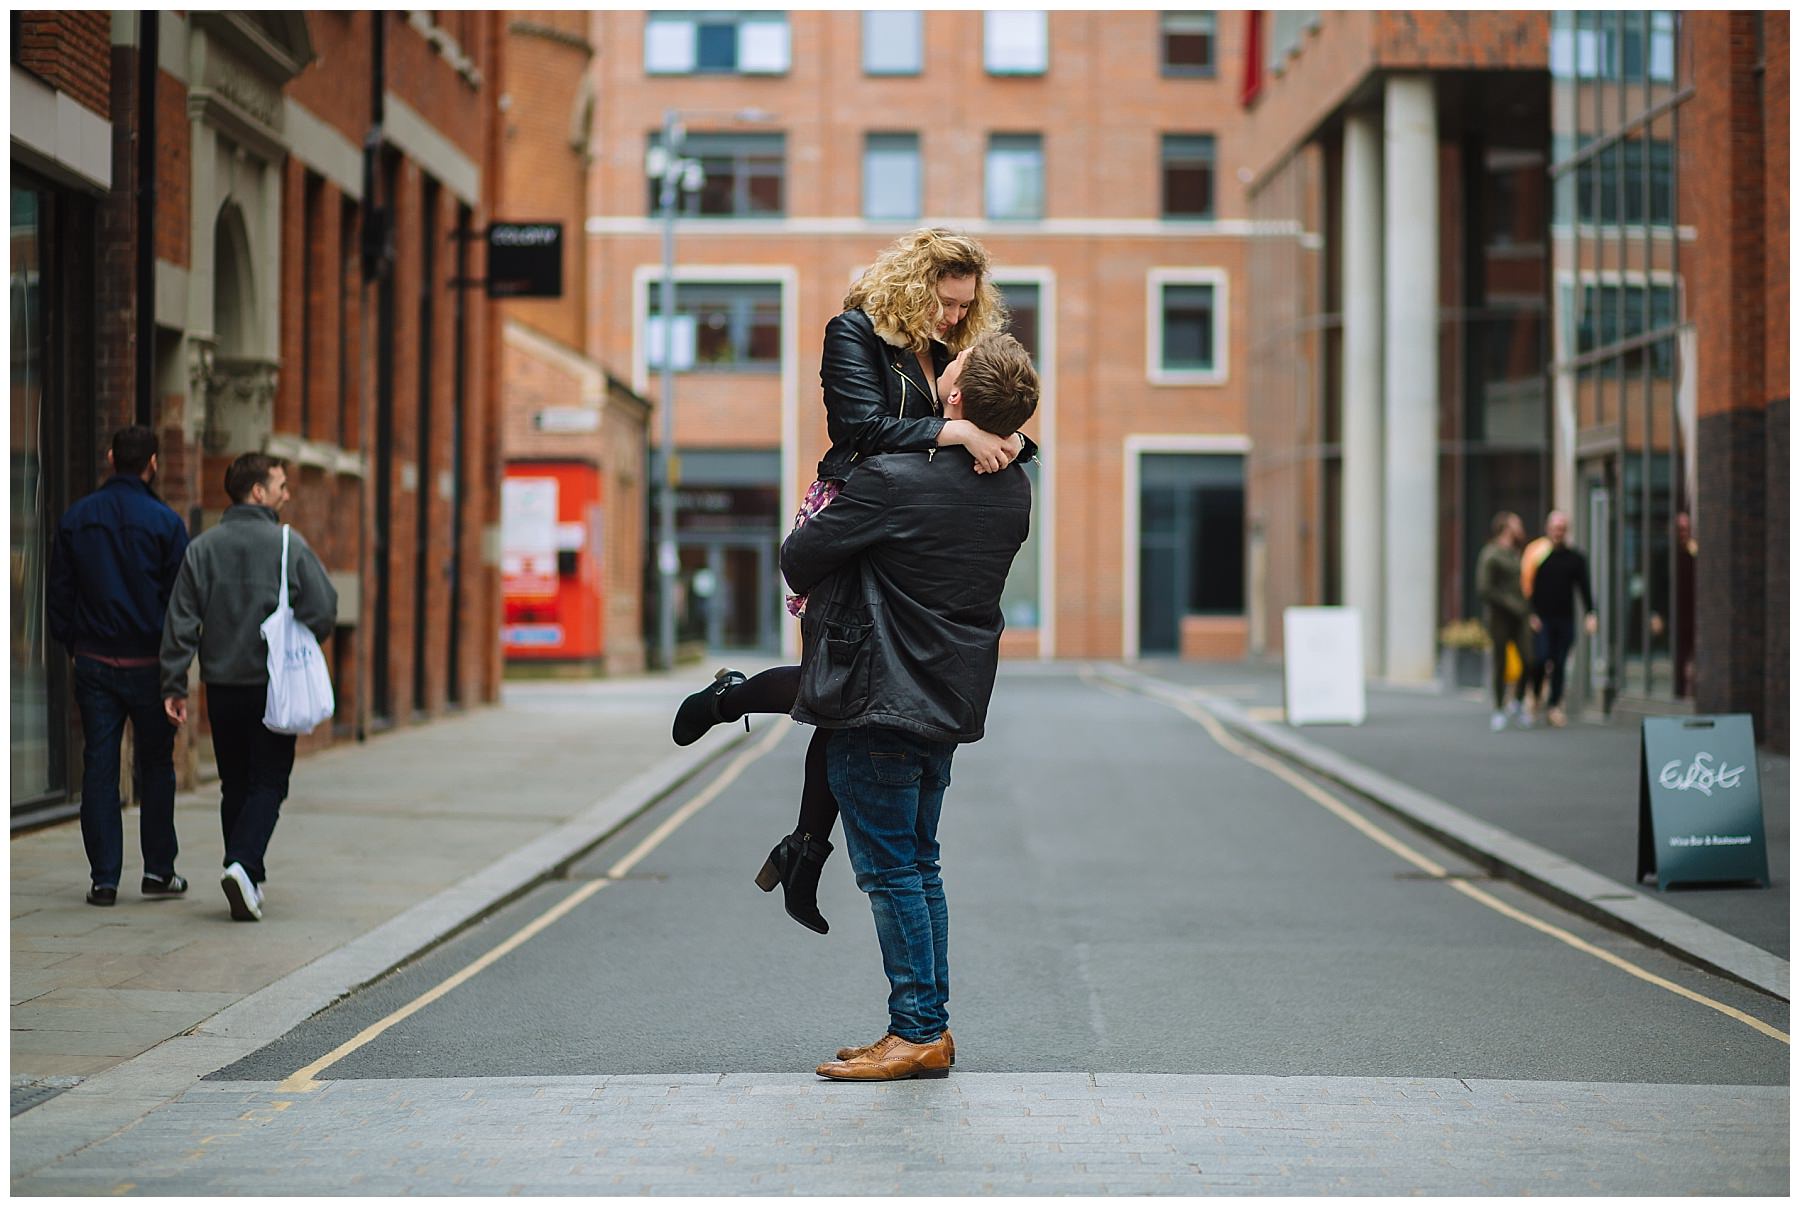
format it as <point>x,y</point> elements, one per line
<point>1135,448</point>
<point>679,32</point>
<point>918,30</point>
<point>1043,427</point>
<point>1037,39</point>
<point>1220,280</point>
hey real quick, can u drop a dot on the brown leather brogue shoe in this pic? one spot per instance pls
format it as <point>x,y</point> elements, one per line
<point>853,1053</point>
<point>892,1059</point>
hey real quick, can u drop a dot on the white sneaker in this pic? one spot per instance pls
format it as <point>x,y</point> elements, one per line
<point>240,891</point>
<point>1497,722</point>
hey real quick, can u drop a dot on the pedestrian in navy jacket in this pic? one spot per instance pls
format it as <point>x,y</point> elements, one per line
<point>112,569</point>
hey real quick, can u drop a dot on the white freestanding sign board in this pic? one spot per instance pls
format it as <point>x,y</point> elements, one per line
<point>1323,666</point>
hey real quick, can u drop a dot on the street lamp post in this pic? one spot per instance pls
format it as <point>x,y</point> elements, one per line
<point>676,174</point>
<point>668,561</point>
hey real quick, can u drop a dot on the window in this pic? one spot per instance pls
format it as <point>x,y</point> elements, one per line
<point>720,327</point>
<point>1186,326</point>
<point>1021,600</point>
<point>1613,313</point>
<point>1187,43</point>
<point>1017,43</point>
<point>746,175</point>
<point>893,42</point>
<point>1015,176</point>
<point>721,43</point>
<point>1187,175</point>
<point>891,176</point>
<point>1190,543</point>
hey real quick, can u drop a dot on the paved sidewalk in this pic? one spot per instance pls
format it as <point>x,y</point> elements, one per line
<point>1571,792</point>
<point>974,1133</point>
<point>389,844</point>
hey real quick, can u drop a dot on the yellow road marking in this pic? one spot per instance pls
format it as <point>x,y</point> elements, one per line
<point>303,1080</point>
<point>1313,792</point>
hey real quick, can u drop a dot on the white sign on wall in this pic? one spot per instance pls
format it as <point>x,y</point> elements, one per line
<point>1323,666</point>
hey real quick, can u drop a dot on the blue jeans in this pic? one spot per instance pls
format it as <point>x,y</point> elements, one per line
<point>1551,649</point>
<point>108,696</point>
<point>890,788</point>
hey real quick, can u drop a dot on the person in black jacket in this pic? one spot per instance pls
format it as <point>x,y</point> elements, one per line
<point>112,569</point>
<point>1562,573</point>
<point>903,575</point>
<point>927,297</point>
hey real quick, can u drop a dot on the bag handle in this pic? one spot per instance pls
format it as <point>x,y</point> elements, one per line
<point>282,600</point>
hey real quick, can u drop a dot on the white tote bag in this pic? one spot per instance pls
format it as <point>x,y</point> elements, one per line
<point>299,687</point>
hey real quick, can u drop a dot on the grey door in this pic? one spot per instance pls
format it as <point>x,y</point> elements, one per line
<point>1190,543</point>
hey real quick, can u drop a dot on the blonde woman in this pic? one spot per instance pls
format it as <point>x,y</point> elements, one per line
<point>927,298</point>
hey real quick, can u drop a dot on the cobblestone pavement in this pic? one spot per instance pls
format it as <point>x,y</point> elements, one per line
<point>993,1133</point>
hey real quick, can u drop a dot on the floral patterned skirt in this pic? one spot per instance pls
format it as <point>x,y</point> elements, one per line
<point>818,496</point>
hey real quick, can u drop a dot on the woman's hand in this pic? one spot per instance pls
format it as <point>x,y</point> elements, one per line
<point>992,453</point>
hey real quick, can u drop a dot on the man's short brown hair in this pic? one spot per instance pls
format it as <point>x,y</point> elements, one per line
<point>248,472</point>
<point>999,386</point>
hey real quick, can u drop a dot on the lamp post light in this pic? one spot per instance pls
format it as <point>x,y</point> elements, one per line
<point>676,174</point>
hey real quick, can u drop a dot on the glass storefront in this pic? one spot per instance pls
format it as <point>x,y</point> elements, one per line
<point>1617,89</point>
<point>34,769</point>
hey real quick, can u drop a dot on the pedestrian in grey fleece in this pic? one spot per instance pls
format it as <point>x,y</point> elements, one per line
<point>228,585</point>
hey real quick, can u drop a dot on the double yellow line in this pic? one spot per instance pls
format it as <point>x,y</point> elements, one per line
<point>305,1080</point>
<point>1376,834</point>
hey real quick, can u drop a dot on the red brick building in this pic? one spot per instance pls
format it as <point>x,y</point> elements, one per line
<point>279,206</point>
<point>1549,271</point>
<point>574,432</point>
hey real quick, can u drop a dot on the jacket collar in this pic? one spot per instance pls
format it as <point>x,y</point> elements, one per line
<point>250,513</point>
<point>129,480</point>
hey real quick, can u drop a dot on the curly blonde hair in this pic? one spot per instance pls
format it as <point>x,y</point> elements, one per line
<point>899,290</point>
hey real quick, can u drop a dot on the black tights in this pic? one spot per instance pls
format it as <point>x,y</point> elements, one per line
<point>774,691</point>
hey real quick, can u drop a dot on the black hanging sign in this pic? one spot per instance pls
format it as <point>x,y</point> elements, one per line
<point>1700,816</point>
<point>524,259</point>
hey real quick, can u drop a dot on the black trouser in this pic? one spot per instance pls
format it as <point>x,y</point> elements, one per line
<point>1508,631</point>
<point>254,765</point>
<point>109,695</point>
<point>1554,641</point>
<point>774,691</point>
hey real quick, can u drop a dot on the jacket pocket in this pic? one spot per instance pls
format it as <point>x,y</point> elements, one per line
<point>835,678</point>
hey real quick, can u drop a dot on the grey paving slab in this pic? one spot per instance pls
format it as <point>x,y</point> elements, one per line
<point>607,1136</point>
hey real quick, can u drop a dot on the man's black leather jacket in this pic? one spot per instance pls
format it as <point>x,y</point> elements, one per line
<point>903,574</point>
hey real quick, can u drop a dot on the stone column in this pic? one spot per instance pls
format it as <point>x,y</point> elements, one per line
<point>1359,246</point>
<point>1410,371</point>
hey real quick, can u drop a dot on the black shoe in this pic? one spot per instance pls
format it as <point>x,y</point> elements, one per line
<point>102,894</point>
<point>156,886</point>
<point>795,864</point>
<point>700,711</point>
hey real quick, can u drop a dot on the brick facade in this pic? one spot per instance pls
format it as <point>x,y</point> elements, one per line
<point>71,51</point>
<point>1734,149</point>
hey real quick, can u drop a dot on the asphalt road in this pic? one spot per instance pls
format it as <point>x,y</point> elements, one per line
<point>1126,896</point>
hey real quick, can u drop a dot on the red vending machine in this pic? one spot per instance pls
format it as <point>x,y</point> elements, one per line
<point>550,562</point>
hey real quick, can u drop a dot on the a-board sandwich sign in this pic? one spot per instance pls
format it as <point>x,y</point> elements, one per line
<point>1700,818</point>
<point>1322,666</point>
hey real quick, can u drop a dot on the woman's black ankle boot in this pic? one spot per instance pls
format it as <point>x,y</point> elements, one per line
<point>700,711</point>
<point>795,864</point>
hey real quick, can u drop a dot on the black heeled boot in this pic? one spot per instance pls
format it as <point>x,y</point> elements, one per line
<point>700,711</point>
<point>795,864</point>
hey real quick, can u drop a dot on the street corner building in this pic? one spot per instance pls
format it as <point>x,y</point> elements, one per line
<point>1543,266</point>
<point>253,231</point>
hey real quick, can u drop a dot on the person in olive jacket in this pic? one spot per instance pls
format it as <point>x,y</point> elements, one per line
<point>927,297</point>
<point>229,583</point>
<point>1503,598</point>
<point>903,574</point>
<point>112,569</point>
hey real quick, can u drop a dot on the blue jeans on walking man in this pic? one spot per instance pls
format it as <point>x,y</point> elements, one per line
<point>108,696</point>
<point>890,788</point>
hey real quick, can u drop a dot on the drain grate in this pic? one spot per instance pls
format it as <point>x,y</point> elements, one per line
<point>28,1092</point>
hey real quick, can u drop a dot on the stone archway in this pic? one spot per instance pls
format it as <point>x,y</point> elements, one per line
<point>241,386</point>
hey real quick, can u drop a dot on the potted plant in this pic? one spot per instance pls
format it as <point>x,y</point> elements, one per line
<point>1463,652</point>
